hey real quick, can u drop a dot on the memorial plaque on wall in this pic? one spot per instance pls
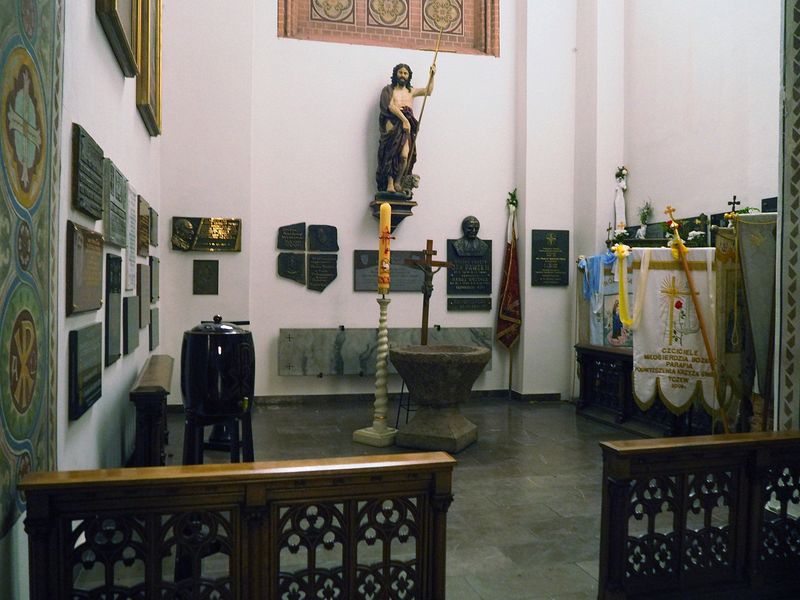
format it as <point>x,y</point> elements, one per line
<point>153,227</point>
<point>292,237</point>
<point>155,268</point>
<point>769,204</point>
<point>130,324</point>
<point>471,272</point>
<point>84,269</point>
<point>85,369</point>
<point>464,304</point>
<point>322,270</point>
<point>549,257</point>
<point>205,277</point>
<point>405,278</point>
<point>143,292</point>
<point>323,238</point>
<point>204,234</point>
<point>143,228</point>
<point>130,245</point>
<point>153,329</point>
<point>113,324</point>
<point>87,173</point>
<point>115,205</point>
<point>292,265</point>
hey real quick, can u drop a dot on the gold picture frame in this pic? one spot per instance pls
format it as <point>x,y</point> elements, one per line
<point>120,21</point>
<point>148,83</point>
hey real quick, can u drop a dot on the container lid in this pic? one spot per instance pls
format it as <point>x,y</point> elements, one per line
<point>217,327</point>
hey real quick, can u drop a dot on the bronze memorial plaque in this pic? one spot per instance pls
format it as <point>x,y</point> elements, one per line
<point>323,238</point>
<point>153,227</point>
<point>464,304</point>
<point>143,228</point>
<point>84,269</point>
<point>292,265</point>
<point>85,368</point>
<point>143,293</point>
<point>206,234</point>
<point>113,322</point>
<point>115,205</point>
<point>87,173</point>
<point>155,267</point>
<point>205,277</point>
<point>322,270</point>
<point>130,324</point>
<point>405,278</point>
<point>549,257</point>
<point>153,341</point>
<point>292,237</point>
<point>471,272</point>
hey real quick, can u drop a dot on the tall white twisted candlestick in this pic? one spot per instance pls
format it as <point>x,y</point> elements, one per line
<point>380,434</point>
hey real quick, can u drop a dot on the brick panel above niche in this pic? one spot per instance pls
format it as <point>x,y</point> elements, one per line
<point>468,26</point>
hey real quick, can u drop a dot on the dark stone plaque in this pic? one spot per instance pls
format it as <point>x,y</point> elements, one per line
<point>404,278</point>
<point>323,238</point>
<point>153,227</point>
<point>206,234</point>
<point>113,308</point>
<point>153,329</point>
<point>205,277</point>
<point>143,228</point>
<point>769,204</point>
<point>130,324</point>
<point>143,292</point>
<point>115,205</point>
<point>84,269</point>
<point>87,175</point>
<point>85,368</point>
<point>463,304</point>
<point>292,265</point>
<point>155,268</point>
<point>292,237</point>
<point>549,257</point>
<point>322,270</point>
<point>471,272</point>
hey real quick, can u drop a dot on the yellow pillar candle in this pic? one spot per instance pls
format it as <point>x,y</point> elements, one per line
<point>385,232</point>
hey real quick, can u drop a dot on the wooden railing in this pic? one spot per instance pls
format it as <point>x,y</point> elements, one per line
<point>353,528</point>
<point>701,517</point>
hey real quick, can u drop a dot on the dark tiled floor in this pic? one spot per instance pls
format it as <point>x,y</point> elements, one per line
<point>525,521</point>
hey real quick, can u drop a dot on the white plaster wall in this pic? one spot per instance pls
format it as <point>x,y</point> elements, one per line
<point>701,103</point>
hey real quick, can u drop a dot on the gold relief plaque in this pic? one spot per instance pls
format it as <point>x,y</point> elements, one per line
<point>206,234</point>
<point>84,269</point>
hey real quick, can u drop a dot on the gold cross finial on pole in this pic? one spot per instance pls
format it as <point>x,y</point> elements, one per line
<point>670,212</point>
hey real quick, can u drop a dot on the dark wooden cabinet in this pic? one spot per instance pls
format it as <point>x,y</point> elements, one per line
<point>606,380</point>
<point>149,394</point>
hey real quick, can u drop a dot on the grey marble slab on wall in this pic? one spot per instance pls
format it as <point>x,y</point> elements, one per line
<point>333,351</point>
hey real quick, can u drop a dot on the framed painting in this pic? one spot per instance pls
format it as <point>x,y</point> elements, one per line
<point>148,83</point>
<point>120,19</point>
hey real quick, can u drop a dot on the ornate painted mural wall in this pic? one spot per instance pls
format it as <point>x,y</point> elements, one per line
<point>31,57</point>
<point>789,317</point>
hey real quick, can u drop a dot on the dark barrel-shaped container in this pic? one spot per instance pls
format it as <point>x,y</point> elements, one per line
<point>217,369</point>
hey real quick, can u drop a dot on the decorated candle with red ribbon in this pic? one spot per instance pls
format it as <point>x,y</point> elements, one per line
<point>385,233</point>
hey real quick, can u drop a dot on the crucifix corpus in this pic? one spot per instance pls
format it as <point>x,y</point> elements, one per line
<point>426,265</point>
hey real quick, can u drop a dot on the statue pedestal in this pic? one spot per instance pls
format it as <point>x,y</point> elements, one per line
<point>401,206</point>
<point>438,379</point>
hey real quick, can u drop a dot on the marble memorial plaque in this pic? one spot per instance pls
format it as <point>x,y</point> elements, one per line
<point>153,227</point>
<point>143,293</point>
<point>115,205</point>
<point>85,368</point>
<point>130,324</point>
<point>87,175</point>
<point>153,329</point>
<point>155,268</point>
<point>113,324</point>
<point>322,270</point>
<point>205,277</point>
<point>84,269</point>
<point>292,237</point>
<point>464,304</point>
<point>292,265</point>
<point>404,278</point>
<point>203,234</point>
<point>471,273</point>
<point>323,238</point>
<point>143,228</point>
<point>549,257</point>
<point>130,243</point>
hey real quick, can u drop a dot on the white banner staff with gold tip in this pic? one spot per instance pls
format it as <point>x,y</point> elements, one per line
<point>679,252</point>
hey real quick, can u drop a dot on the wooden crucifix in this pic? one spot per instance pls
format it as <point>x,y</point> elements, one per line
<point>426,264</point>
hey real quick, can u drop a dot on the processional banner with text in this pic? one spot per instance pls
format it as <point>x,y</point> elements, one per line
<point>669,357</point>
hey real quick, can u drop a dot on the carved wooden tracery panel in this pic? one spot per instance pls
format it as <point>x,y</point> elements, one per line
<point>780,531</point>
